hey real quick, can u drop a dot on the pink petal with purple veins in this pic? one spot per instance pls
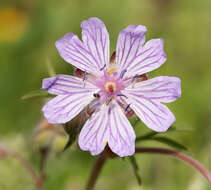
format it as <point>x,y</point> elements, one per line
<point>90,55</point>
<point>163,89</point>
<point>94,134</point>
<point>122,136</point>
<point>73,95</point>
<point>145,97</point>
<point>96,40</point>
<point>108,125</point>
<point>129,44</point>
<point>133,56</point>
<point>63,108</point>
<point>66,84</point>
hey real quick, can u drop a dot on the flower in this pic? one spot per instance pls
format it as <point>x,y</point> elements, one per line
<point>110,88</point>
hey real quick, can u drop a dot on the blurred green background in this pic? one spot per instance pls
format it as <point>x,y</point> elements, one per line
<point>28,31</point>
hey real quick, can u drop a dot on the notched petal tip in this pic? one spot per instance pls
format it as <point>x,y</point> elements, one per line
<point>92,22</point>
<point>47,83</point>
<point>136,29</point>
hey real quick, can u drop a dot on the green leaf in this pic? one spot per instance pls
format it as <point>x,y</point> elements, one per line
<point>146,136</point>
<point>170,142</point>
<point>135,169</point>
<point>36,94</point>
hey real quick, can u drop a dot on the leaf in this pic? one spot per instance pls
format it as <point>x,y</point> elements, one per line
<point>36,94</point>
<point>170,142</point>
<point>146,136</point>
<point>135,169</point>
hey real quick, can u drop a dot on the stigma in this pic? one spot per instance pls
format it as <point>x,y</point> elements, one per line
<point>110,87</point>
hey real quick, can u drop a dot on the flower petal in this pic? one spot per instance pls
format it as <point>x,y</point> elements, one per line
<point>145,97</point>
<point>163,89</point>
<point>73,96</point>
<point>96,39</point>
<point>90,55</point>
<point>108,125</point>
<point>66,84</point>
<point>135,58</point>
<point>129,45</point>
<point>122,136</point>
<point>63,108</point>
<point>94,134</point>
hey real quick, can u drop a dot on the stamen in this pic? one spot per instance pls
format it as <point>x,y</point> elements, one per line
<point>50,84</point>
<point>134,77</point>
<point>94,105</point>
<point>96,95</point>
<point>109,110</point>
<point>85,76</point>
<point>122,95</point>
<point>103,67</point>
<point>127,107</point>
<point>109,100</point>
<point>123,73</point>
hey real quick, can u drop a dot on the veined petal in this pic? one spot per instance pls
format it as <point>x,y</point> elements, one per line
<point>94,134</point>
<point>96,40</point>
<point>66,84</point>
<point>121,133</point>
<point>135,58</point>
<point>162,89</point>
<point>63,108</point>
<point>90,55</point>
<point>129,45</point>
<point>72,50</point>
<point>73,96</point>
<point>147,105</point>
<point>108,125</point>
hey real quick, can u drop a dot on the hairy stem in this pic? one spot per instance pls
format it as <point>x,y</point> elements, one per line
<point>103,157</point>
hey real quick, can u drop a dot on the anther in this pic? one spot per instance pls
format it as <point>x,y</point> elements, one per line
<point>134,77</point>
<point>94,105</point>
<point>123,73</point>
<point>50,84</point>
<point>122,95</point>
<point>127,107</point>
<point>96,95</point>
<point>109,110</point>
<point>85,76</point>
<point>103,67</point>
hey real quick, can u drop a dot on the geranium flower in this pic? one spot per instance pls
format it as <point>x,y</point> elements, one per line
<point>111,88</point>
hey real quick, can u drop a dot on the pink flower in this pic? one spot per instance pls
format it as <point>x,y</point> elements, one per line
<point>111,88</point>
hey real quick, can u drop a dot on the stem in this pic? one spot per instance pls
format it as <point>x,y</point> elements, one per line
<point>98,165</point>
<point>104,155</point>
<point>180,156</point>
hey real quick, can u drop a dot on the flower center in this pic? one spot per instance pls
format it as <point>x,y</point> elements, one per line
<point>110,87</point>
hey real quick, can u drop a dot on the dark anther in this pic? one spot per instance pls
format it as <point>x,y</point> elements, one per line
<point>127,107</point>
<point>123,73</point>
<point>84,78</point>
<point>103,67</point>
<point>134,78</point>
<point>122,95</point>
<point>96,95</point>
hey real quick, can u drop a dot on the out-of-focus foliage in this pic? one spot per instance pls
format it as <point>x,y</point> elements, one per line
<point>28,31</point>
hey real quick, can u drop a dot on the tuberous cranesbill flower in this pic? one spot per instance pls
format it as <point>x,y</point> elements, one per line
<point>108,88</point>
